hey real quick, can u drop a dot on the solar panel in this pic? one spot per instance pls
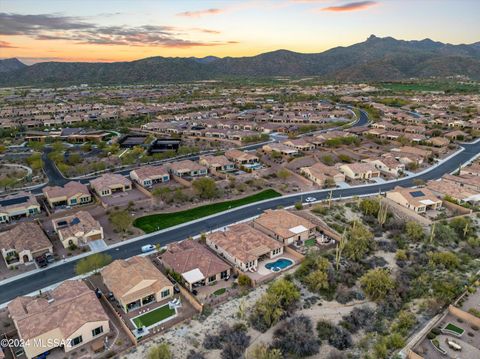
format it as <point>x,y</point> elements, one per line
<point>416,194</point>
<point>11,201</point>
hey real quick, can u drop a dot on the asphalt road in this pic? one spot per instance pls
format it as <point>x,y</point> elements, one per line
<point>65,271</point>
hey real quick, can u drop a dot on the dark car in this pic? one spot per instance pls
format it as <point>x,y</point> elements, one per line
<point>49,257</point>
<point>41,261</point>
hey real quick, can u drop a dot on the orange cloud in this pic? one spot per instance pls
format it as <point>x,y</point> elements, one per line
<point>7,45</point>
<point>200,13</point>
<point>353,6</point>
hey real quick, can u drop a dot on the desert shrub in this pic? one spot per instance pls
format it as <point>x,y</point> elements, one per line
<point>279,300</point>
<point>340,339</point>
<point>232,340</point>
<point>358,318</point>
<point>295,338</point>
<point>324,329</point>
<point>195,355</point>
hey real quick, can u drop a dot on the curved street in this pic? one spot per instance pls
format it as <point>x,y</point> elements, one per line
<point>61,272</point>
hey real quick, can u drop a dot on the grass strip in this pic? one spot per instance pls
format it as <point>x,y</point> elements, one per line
<point>156,222</point>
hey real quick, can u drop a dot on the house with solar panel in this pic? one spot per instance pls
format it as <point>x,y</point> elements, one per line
<point>16,206</point>
<point>418,200</point>
<point>77,229</point>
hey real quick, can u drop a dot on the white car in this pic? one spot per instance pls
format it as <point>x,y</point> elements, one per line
<point>310,199</point>
<point>148,248</point>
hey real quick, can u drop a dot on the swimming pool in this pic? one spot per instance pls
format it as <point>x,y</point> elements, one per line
<point>279,264</point>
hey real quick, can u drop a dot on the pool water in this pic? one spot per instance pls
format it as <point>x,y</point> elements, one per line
<point>279,264</point>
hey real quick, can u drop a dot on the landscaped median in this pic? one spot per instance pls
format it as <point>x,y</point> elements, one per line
<point>156,222</point>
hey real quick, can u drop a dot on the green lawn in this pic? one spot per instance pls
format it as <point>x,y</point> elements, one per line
<point>453,328</point>
<point>159,221</point>
<point>154,316</point>
<point>310,242</point>
<point>220,291</point>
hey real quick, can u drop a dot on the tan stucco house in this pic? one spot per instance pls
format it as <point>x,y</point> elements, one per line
<point>285,226</point>
<point>71,194</point>
<point>23,243</point>
<point>136,282</point>
<point>65,318</point>
<point>77,229</point>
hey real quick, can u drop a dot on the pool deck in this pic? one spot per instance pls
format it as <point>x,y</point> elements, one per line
<point>263,271</point>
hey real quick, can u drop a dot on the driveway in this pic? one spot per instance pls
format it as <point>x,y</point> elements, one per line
<point>98,245</point>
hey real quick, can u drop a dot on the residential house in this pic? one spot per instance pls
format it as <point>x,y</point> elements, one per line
<point>21,204</point>
<point>473,169</point>
<point>244,246</point>
<point>323,175</point>
<point>466,181</point>
<point>71,194</point>
<point>300,145</point>
<point>280,148</point>
<point>359,171</point>
<point>23,243</point>
<point>77,229</point>
<point>195,263</point>
<point>136,282</point>
<point>285,226</point>
<point>387,165</point>
<point>438,141</point>
<point>217,163</point>
<point>242,158</point>
<point>446,188</point>
<point>110,183</point>
<point>416,199</point>
<point>147,176</point>
<point>66,318</point>
<point>187,168</point>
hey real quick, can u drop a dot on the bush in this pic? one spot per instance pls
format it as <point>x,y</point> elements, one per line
<point>324,329</point>
<point>195,355</point>
<point>340,339</point>
<point>377,283</point>
<point>358,318</point>
<point>244,280</point>
<point>295,337</point>
<point>280,299</point>
<point>232,340</point>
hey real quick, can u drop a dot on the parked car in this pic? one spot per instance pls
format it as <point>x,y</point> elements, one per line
<point>148,248</point>
<point>41,261</point>
<point>49,257</point>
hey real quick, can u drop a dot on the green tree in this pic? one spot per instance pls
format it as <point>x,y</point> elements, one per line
<point>328,160</point>
<point>161,351</point>
<point>120,220</point>
<point>92,263</point>
<point>377,283</point>
<point>359,242</point>
<point>283,174</point>
<point>205,187</point>
<point>279,298</point>
<point>369,206</point>
<point>414,231</point>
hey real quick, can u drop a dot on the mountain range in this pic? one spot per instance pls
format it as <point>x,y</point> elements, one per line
<point>376,59</point>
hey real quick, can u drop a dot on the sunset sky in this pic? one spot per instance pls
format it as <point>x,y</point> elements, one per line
<point>117,30</point>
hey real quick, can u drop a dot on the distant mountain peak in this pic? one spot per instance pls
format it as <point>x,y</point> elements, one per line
<point>11,64</point>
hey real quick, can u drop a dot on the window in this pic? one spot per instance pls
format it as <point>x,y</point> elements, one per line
<point>76,341</point>
<point>165,293</point>
<point>97,331</point>
<point>213,278</point>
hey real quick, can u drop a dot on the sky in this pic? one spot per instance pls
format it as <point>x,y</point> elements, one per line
<point>126,30</point>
